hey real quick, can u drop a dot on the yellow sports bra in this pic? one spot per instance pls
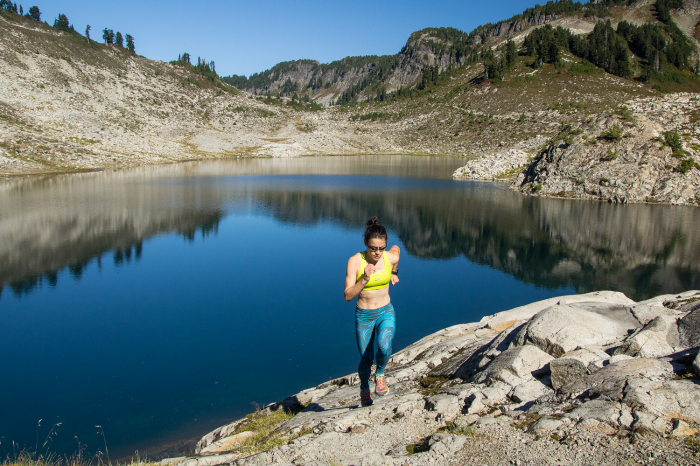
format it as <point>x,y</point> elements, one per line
<point>376,280</point>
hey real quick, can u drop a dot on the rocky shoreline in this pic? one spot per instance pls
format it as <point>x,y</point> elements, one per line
<point>584,379</point>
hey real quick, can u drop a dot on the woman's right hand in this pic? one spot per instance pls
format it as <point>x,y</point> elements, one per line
<point>369,270</point>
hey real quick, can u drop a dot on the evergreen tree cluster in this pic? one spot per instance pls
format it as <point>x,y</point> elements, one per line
<point>34,13</point>
<point>108,36</point>
<point>289,87</point>
<point>117,39</point>
<point>604,48</point>
<point>9,6</point>
<point>495,68</point>
<point>63,24</point>
<point>663,9</point>
<point>561,7</point>
<point>316,83</point>
<point>240,82</point>
<point>265,79</point>
<point>431,74</point>
<point>204,68</point>
<point>351,94</point>
<point>608,48</point>
<point>545,43</point>
<point>449,42</point>
<point>552,7</point>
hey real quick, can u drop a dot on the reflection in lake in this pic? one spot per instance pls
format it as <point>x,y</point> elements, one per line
<point>108,317</point>
<point>640,250</point>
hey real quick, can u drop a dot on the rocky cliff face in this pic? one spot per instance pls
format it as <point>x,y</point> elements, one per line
<point>511,28</point>
<point>532,384</point>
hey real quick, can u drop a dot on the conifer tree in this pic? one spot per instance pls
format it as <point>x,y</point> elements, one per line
<point>34,13</point>
<point>511,54</point>
<point>87,32</point>
<point>130,43</point>
<point>21,10</point>
<point>119,40</point>
<point>61,23</point>
<point>108,36</point>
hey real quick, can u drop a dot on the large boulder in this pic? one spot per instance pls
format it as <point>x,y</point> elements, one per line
<point>575,365</point>
<point>658,338</point>
<point>443,403</point>
<point>600,410</point>
<point>689,326</point>
<point>610,381</point>
<point>645,313</point>
<point>620,313</point>
<point>562,328</point>
<point>515,365</point>
<point>529,391</point>
<point>667,399</point>
<point>505,319</point>
<point>498,345</point>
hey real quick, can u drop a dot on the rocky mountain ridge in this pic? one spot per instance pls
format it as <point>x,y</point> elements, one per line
<point>592,378</point>
<point>444,48</point>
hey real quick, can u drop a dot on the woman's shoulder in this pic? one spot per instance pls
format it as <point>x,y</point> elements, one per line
<point>355,259</point>
<point>393,253</point>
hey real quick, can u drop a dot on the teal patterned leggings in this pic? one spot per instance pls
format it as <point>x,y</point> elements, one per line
<point>374,325</point>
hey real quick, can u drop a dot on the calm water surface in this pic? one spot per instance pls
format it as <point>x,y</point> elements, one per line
<point>160,302</point>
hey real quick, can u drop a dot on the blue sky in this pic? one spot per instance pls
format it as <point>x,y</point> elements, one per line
<point>248,37</point>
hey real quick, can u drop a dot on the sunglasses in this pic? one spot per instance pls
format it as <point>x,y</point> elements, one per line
<point>376,248</point>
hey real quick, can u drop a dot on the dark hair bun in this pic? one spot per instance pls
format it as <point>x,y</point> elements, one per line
<point>373,221</point>
<point>374,230</point>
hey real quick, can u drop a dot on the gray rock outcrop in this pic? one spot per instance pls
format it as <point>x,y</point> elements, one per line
<point>689,327</point>
<point>624,157</point>
<point>562,328</point>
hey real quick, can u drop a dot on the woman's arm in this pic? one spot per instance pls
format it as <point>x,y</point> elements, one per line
<point>352,289</point>
<point>394,255</point>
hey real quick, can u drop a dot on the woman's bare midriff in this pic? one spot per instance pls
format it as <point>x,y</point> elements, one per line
<point>373,299</point>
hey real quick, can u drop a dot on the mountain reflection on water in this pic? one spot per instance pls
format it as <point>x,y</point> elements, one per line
<point>51,223</point>
<point>641,250</point>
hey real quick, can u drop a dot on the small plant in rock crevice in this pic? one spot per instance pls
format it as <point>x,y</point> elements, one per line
<point>613,134</point>
<point>673,140</point>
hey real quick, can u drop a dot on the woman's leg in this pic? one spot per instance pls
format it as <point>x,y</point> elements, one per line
<point>365,334</point>
<point>385,329</point>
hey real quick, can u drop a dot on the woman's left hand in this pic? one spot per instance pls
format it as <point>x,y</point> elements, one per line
<point>394,279</point>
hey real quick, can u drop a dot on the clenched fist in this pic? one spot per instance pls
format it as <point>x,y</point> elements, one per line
<point>369,270</point>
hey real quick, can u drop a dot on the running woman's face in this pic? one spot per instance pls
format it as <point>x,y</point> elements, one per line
<point>375,247</point>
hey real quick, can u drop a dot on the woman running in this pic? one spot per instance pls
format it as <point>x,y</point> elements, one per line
<point>368,276</point>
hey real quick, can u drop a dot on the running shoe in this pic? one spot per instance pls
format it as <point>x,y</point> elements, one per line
<point>366,397</point>
<point>381,388</point>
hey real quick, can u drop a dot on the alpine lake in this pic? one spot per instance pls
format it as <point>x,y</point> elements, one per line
<point>162,302</point>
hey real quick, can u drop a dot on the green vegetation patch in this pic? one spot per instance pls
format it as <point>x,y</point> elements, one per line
<point>419,447</point>
<point>265,427</point>
<point>431,384</point>
<point>673,140</point>
<point>583,68</point>
<point>613,134</point>
<point>455,428</point>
